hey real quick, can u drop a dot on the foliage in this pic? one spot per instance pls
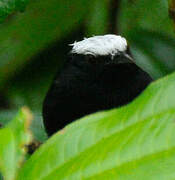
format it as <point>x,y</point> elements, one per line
<point>133,142</point>
<point>13,139</point>
<point>147,25</point>
<point>7,7</point>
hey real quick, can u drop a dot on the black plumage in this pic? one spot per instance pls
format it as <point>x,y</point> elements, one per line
<point>88,84</point>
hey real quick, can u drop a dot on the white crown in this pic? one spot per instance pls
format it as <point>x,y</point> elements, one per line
<point>100,45</point>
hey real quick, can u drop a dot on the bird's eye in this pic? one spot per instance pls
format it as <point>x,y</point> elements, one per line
<point>118,55</point>
<point>89,58</point>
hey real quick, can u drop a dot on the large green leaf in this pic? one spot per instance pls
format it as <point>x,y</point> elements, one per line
<point>9,6</point>
<point>132,142</point>
<point>13,139</point>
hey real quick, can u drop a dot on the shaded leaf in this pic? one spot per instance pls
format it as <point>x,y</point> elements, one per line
<point>154,52</point>
<point>132,142</point>
<point>151,35</point>
<point>42,23</point>
<point>7,7</point>
<point>139,14</point>
<point>6,116</point>
<point>172,9</point>
<point>97,19</point>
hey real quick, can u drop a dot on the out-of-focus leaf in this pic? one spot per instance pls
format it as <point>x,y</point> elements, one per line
<point>43,22</point>
<point>13,139</point>
<point>1,177</point>
<point>146,24</point>
<point>132,142</point>
<point>21,4</point>
<point>9,6</point>
<point>172,9</point>
<point>36,126</point>
<point>97,19</point>
<point>154,52</point>
<point>6,116</point>
<point>145,14</point>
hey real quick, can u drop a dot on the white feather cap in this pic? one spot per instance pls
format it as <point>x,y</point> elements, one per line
<point>100,45</point>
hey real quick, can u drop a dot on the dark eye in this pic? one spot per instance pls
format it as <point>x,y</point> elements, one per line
<point>90,58</point>
<point>117,55</point>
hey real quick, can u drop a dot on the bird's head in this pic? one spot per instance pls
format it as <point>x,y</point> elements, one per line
<point>102,50</point>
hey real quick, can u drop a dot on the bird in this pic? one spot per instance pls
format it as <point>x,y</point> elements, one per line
<point>99,74</point>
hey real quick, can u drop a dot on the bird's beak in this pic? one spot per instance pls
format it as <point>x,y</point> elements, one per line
<point>129,57</point>
<point>125,58</point>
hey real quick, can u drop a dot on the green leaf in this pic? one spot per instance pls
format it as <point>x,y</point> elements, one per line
<point>150,34</point>
<point>36,127</point>
<point>6,116</point>
<point>132,142</point>
<point>7,153</point>
<point>139,14</point>
<point>9,6</point>
<point>1,177</point>
<point>154,52</point>
<point>13,139</point>
<point>97,19</point>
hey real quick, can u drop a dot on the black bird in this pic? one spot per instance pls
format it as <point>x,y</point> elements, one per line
<point>100,74</point>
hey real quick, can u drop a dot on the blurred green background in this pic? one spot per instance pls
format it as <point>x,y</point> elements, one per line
<point>34,44</point>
